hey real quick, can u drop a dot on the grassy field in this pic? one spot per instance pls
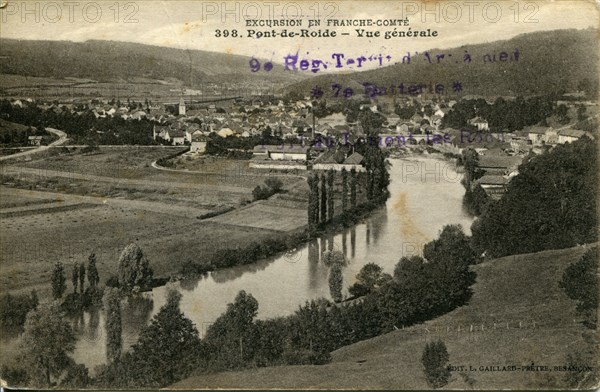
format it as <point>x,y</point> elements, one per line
<point>124,173</point>
<point>63,206</point>
<point>33,241</point>
<point>518,315</point>
<point>215,183</point>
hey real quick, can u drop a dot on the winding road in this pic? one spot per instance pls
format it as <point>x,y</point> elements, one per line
<point>62,138</point>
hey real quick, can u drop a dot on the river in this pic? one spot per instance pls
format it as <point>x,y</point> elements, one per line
<point>426,194</point>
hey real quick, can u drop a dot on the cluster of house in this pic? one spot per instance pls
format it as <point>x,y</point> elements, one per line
<point>301,157</point>
<point>499,154</point>
<point>99,108</point>
<point>501,163</point>
<point>248,120</point>
<point>499,169</point>
<point>536,137</point>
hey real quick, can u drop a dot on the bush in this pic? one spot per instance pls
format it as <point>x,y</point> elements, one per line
<point>273,186</point>
<point>15,376</point>
<point>435,358</point>
<point>580,282</point>
<point>261,193</point>
<point>113,281</point>
<point>14,308</point>
<point>274,183</point>
<point>369,278</point>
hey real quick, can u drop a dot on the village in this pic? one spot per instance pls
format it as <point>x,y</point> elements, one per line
<point>299,140</point>
<point>180,209</point>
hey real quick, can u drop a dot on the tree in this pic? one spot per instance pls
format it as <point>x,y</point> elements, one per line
<point>581,113</point>
<point>134,268</point>
<point>452,245</point>
<point>449,257</point>
<point>470,160</point>
<point>166,350</point>
<point>92,271</point>
<point>81,277</point>
<point>77,377</point>
<point>376,168</point>
<point>112,307</point>
<point>46,342</point>
<point>58,281</point>
<point>590,88</point>
<point>274,183</point>
<point>563,114</point>
<point>320,110</point>
<point>370,121</point>
<point>75,277</point>
<point>435,359</point>
<point>311,203</point>
<point>369,278</point>
<point>229,338</point>
<point>14,308</point>
<point>330,194</point>
<point>344,189</point>
<point>323,199</point>
<point>336,281</point>
<point>353,186</point>
<point>475,200</point>
<point>550,204</point>
<point>405,112</point>
<point>580,282</point>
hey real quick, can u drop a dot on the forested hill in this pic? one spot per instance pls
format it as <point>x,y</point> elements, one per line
<point>549,62</point>
<point>122,61</point>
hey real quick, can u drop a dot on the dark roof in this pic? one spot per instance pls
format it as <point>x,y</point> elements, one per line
<point>331,156</point>
<point>176,133</point>
<point>285,148</point>
<point>571,132</point>
<point>499,161</point>
<point>490,179</point>
<point>354,159</point>
<point>537,129</point>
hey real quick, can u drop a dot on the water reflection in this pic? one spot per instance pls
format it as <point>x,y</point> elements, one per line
<point>228,274</point>
<point>353,241</point>
<point>282,283</point>
<point>313,261</point>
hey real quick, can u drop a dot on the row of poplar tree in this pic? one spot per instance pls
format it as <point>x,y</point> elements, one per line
<point>322,192</point>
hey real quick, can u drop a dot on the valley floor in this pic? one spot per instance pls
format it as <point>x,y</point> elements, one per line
<point>64,206</point>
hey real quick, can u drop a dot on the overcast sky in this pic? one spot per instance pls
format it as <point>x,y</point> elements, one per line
<point>192,24</point>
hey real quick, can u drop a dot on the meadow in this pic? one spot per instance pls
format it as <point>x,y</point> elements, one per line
<point>65,205</point>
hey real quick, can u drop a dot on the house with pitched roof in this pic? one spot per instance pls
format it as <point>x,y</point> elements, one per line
<point>503,165</point>
<point>494,185</point>
<point>569,135</point>
<point>337,160</point>
<point>480,123</point>
<point>198,143</point>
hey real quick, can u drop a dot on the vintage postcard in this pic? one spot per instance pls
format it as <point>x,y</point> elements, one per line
<point>299,194</point>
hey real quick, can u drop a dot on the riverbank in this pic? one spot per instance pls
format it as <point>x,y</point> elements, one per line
<point>517,315</point>
<point>274,246</point>
<point>280,283</point>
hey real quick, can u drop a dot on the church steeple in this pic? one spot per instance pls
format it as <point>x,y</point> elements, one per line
<point>181,106</point>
